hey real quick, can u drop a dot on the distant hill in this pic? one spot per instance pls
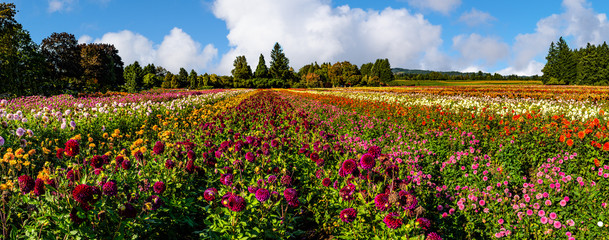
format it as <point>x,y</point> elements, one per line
<point>422,72</point>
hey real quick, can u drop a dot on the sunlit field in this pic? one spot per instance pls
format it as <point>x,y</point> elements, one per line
<point>445,162</point>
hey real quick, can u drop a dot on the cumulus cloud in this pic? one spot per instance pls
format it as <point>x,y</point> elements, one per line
<point>442,6</point>
<point>180,50</point>
<point>476,17</point>
<point>61,5</point>
<point>312,30</point>
<point>177,50</point>
<point>476,48</point>
<point>579,21</point>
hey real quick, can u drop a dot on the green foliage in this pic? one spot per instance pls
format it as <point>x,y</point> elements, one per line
<point>22,68</point>
<point>102,68</point>
<point>192,79</point>
<point>585,66</point>
<point>133,77</point>
<point>241,72</point>
<point>261,70</point>
<point>279,63</point>
<point>62,54</point>
<point>167,80</point>
<point>182,80</point>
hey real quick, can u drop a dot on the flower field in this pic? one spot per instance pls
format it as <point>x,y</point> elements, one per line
<point>478,162</point>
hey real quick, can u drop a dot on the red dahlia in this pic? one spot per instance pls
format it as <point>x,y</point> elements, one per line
<point>26,184</point>
<point>72,148</point>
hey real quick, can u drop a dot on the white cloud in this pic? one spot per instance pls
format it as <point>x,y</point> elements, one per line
<point>311,30</point>
<point>476,48</point>
<point>177,50</point>
<point>476,17</point>
<point>132,46</point>
<point>61,5</point>
<point>531,68</point>
<point>85,39</point>
<point>579,21</point>
<point>442,6</point>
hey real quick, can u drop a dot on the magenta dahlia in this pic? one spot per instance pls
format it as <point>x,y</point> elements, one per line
<point>60,153</point>
<point>110,188</point>
<point>159,187</point>
<point>262,195</point>
<point>348,215</point>
<point>375,151</point>
<point>326,182</point>
<point>367,161</point>
<point>424,223</point>
<point>290,194</point>
<point>236,203</point>
<point>286,180</point>
<point>349,165</point>
<point>126,164</point>
<point>210,194</point>
<point>169,164</point>
<point>250,157</point>
<point>190,166</point>
<point>381,202</point>
<point>392,221</point>
<point>433,236</point>
<point>226,179</point>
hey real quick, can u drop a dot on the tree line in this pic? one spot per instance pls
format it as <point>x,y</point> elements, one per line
<point>458,76</point>
<point>313,75</point>
<point>584,66</point>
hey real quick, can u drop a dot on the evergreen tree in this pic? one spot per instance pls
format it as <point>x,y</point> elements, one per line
<point>167,80</point>
<point>150,68</point>
<point>382,70</point>
<point>365,69</point>
<point>175,81</point>
<point>261,70</point>
<point>567,66</point>
<point>192,79</point>
<point>241,72</point>
<point>550,69</point>
<point>150,81</point>
<point>182,80</point>
<point>279,63</point>
<point>133,75</point>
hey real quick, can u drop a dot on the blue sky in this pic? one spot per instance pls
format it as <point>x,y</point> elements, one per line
<point>509,37</point>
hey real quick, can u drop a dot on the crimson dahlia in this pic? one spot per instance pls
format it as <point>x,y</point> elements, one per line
<point>159,187</point>
<point>349,165</point>
<point>26,184</point>
<point>72,148</point>
<point>391,220</point>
